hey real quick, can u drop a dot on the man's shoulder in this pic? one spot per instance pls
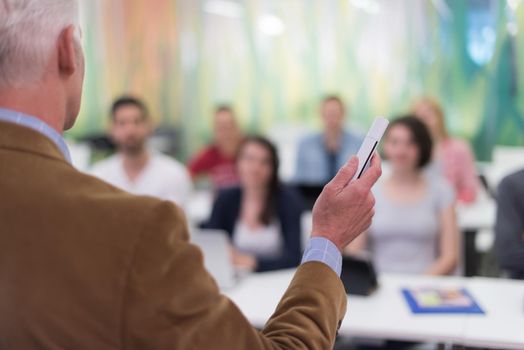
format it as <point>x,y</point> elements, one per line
<point>98,192</point>
<point>89,202</point>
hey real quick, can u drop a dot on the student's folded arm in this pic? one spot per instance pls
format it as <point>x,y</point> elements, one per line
<point>171,302</point>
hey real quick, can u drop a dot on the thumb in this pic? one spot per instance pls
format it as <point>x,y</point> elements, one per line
<point>372,175</point>
<point>345,174</point>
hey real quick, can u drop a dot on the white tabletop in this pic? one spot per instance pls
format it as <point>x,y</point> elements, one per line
<point>385,314</point>
<point>503,326</point>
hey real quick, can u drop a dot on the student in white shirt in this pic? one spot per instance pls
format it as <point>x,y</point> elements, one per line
<point>135,168</point>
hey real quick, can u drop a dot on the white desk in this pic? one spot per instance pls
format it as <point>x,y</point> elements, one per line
<point>386,315</point>
<point>503,327</point>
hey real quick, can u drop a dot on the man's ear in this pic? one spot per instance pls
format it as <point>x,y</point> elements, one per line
<point>67,53</point>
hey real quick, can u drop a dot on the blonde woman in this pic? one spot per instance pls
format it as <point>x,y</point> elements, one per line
<point>453,157</point>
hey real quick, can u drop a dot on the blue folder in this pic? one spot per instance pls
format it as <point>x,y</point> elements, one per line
<point>443,308</point>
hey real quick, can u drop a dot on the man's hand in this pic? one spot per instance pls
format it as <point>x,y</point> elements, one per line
<point>344,210</point>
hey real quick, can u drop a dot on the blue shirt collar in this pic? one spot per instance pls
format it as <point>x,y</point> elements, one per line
<point>10,116</point>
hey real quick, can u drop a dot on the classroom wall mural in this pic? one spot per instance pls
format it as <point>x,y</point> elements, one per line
<point>273,60</point>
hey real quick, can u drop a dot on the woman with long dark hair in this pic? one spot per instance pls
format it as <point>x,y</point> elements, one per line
<point>261,216</point>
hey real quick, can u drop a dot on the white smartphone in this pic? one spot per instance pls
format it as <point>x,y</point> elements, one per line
<point>370,144</point>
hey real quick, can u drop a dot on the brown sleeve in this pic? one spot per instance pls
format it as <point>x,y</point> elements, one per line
<point>172,302</point>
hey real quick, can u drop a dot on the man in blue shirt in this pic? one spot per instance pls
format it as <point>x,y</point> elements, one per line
<point>321,155</point>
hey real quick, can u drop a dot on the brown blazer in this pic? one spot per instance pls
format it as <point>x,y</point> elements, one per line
<point>84,265</point>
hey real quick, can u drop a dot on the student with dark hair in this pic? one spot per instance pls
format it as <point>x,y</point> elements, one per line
<point>218,159</point>
<point>320,155</point>
<point>135,168</point>
<point>414,230</point>
<point>261,216</point>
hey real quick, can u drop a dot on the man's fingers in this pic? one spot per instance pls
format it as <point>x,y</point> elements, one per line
<point>346,173</point>
<point>370,200</point>
<point>371,176</point>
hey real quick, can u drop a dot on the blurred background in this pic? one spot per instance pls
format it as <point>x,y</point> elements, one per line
<point>273,60</point>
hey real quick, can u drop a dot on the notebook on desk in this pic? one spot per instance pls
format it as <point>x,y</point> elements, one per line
<point>441,301</point>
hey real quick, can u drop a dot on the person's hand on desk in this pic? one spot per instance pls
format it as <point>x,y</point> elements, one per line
<point>243,261</point>
<point>345,209</point>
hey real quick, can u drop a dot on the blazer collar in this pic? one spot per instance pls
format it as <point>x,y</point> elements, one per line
<point>24,139</point>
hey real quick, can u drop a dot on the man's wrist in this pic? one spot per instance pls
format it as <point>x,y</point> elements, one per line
<point>323,250</point>
<point>330,238</point>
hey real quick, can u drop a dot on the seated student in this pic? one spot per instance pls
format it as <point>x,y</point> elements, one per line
<point>218,159</point>
<point>136,169</point>
<point>321,155</point>
<point>453,157</point>
<point>414,230</point>
<point>509,227</point>
<point>262,216</point>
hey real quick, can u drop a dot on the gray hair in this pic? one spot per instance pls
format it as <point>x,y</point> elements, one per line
<point>29,30</point>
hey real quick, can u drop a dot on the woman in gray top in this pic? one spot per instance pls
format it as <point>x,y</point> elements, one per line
<point>414,229</point>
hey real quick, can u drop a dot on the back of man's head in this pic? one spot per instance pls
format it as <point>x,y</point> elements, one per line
<point>28,33</point>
